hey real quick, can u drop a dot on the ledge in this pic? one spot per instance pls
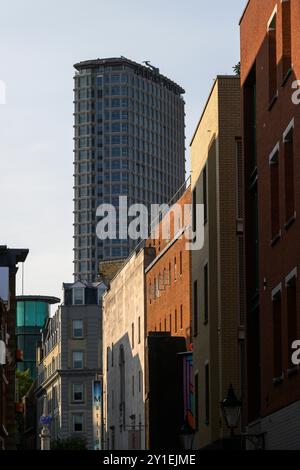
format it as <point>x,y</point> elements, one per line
<point>276,239</point>
<point>290,222</point>
<point>286,77</point>
<point>291,372</point>
<point>273,101</point>
<point>278,380</point>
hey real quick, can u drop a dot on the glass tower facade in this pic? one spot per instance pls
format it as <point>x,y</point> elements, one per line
<point>32,314</point>
<point>129,141</point>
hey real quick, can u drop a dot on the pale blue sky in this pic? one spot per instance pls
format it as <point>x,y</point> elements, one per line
<point>190,41</point>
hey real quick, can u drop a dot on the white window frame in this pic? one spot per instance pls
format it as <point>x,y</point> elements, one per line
<point>82,289</point>
<point>73,422</point>
<point>73,329</point>
<point>73,392</point>
<point>73,361</point>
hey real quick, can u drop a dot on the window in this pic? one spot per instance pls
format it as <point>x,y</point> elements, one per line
<point>122,383</point>
<point>205,193</point>
<point>239,178</point>
<point>288,150</point>
<point>77,359</point>
<point>139,330</point>
<point>291,296</point>
<point>78,423</point>
<point>274,175</point>
<point>180,263</point>
<point>31,313</point>
<point>206,294</point>
<point>77,392</point>
<point>115,103</point>
<point>286,38</point>
<point>207,395</point>
<point>99,81</point>
<point>181,317</point>
<point>116,176</point>
<point>195,308</point>
<point>176,326</point>
<point>133,385</point>
<point>132,335</point>
<point>170,323</point>
<point>115,78</point>
<point>78,296</point>
<point>194,222</point>
<point>54,398</point>
<point>115,90</point>
<point>175,269</point>
<point>272,58</point>
<point>77,328</point>
<point>277,338</point>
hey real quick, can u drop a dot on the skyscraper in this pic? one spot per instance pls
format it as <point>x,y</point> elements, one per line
<point>130,141</point>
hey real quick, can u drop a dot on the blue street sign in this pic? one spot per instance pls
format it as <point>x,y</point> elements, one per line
<point>45,420</point>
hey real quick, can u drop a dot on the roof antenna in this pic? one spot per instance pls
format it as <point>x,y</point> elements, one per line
<point>155,69</point>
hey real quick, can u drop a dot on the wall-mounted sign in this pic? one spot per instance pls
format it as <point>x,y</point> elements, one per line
<point>97,414</point>
<point>2,353</point>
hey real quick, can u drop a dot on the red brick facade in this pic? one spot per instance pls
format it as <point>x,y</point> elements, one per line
<point>270,64</point>
<point>9,259</point>
<point>168,281</point>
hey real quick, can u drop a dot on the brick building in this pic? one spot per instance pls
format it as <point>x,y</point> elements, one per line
<point>270,65</point>
<point>168,326</point>
<point>9,260</point>
<point>168,277</point>
<point>217,268</point>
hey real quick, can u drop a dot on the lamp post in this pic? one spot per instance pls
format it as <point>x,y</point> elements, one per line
<point>45,420</point>
<point>231,409</point>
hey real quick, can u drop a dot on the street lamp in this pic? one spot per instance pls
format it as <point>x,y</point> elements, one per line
<point>45,421</point>
<point>231,409</point>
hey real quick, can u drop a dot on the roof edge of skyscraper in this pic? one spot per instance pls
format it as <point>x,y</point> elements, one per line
<point>150,72</point>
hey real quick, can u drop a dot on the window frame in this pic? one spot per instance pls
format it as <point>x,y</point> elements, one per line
<point>74,400</point>
<point>74,415</point>
<point>74,329</point>
<point>73,361</point>
<point>82,289</point>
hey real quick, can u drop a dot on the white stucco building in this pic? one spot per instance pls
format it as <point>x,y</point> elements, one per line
<point>124,349</point>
